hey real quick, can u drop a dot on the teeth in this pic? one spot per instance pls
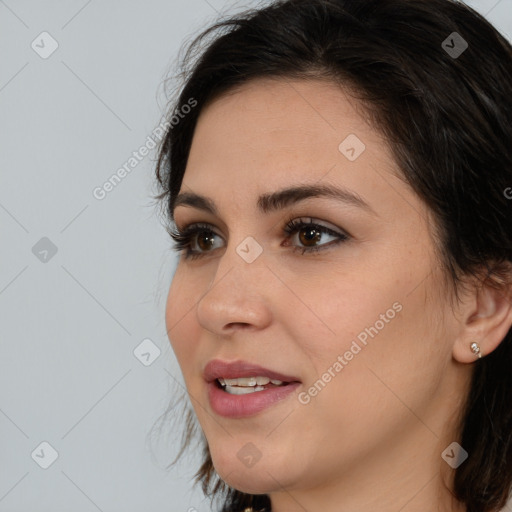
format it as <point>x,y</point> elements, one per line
<point>249,381</point>
<point>236,390</point>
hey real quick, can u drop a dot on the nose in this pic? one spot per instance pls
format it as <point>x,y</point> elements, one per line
<point>238,297</point>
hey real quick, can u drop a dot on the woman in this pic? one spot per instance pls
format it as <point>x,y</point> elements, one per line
<point>341,310</point>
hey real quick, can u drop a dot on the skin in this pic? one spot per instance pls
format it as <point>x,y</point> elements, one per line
<point>372,438</point>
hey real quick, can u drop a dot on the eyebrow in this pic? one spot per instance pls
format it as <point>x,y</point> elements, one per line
<point>277,200</point>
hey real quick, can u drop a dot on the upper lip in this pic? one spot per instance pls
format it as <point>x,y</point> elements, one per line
<point>217,368</point>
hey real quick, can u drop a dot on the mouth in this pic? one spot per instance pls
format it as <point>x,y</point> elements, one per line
<point>242,378</point>
<point>241,390</point>
<point>246,385</point>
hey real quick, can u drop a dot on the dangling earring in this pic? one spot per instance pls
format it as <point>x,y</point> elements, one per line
<point>475,348</point>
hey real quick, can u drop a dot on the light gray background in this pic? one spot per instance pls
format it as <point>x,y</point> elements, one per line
<point>69,325</point>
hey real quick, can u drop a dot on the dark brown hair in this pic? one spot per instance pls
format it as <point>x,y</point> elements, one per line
<point>447,119</point>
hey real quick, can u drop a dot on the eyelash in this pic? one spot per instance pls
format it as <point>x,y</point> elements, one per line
<point>183,239</point>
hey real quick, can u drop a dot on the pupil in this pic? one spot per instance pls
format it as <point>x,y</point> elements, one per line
<point>207,245</point>
<point>311,235</point>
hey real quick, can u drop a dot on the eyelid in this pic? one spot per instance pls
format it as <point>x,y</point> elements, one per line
<point>192,227</point>
<point>314,220</point>
<point>184,237</point>
<point>287,220</point>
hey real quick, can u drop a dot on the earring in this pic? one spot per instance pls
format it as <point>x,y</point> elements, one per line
<point>475,348</point>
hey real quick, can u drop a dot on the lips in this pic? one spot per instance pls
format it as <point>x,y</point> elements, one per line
<point>243,400</point>
<point>217,368</point>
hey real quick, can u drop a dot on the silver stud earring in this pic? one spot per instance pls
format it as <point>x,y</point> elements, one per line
<point>475,348</point>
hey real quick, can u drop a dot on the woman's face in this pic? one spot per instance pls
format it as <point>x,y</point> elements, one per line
<point>358,323</point>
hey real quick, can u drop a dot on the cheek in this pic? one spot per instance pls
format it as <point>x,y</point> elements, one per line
<point>373,390</point>
<point>346,312</point>
<point>385,345</point>
<point>180,314</point>
<point>381,332</point>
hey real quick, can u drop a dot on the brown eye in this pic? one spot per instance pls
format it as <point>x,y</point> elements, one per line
<point>311,236</point>
<point>195,240</point>
<point>306,236</point>
<point>205,241</point>
<point>198,240</point>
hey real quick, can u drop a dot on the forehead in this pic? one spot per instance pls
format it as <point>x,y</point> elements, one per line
<point>267,114</point>
<point>269,133</point>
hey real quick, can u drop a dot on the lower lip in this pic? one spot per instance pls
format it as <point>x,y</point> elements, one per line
<point>242,406</point>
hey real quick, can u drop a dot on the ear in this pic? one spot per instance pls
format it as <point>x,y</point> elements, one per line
<point>486,319</point>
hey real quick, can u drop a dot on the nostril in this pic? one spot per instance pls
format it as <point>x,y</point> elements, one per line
<point>238,325</point>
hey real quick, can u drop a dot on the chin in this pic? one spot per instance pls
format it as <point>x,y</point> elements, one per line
<point>253,481</point>
<point>263,477</point>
